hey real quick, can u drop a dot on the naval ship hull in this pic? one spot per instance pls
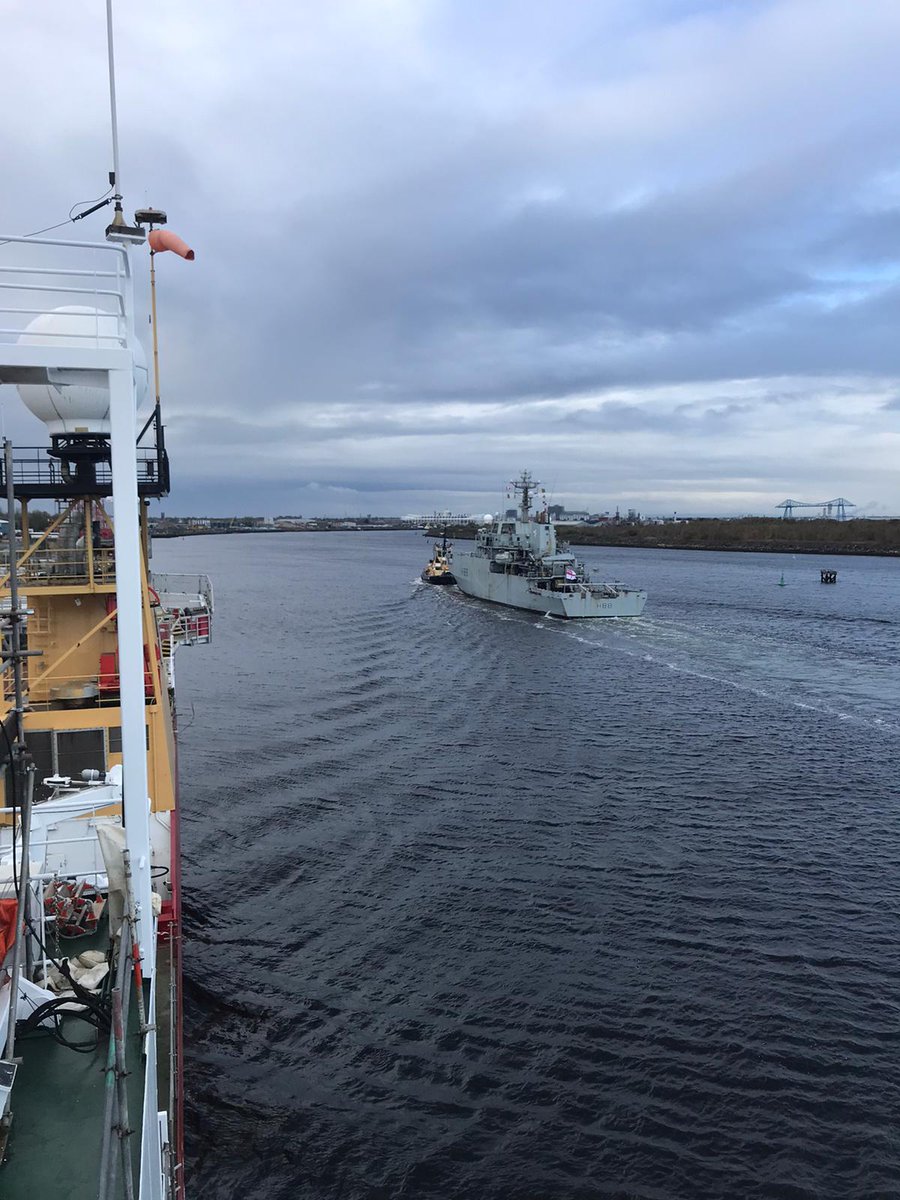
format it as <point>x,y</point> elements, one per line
<point>475,578</point>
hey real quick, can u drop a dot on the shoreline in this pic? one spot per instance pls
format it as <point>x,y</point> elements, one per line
<point>741,535</point>
<point>164,535</point>
<point>831,551</point>
<point>630,537</point>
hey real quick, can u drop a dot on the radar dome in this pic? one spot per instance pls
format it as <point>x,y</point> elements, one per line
<point>72,408</point>
<point>488,517</point>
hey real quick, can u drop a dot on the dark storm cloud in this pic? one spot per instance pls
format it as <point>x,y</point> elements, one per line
<point>647,248</point>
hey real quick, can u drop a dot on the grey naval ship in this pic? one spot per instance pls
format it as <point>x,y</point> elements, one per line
<point>520,564</point>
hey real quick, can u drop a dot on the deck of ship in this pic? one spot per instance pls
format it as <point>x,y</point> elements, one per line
<point>54,1145</point>
<point>60,1103</point>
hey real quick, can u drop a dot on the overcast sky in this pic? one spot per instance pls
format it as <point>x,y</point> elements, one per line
<point>649,249</point>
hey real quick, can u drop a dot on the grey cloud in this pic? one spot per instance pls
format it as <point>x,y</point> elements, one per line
<point>420,222</point>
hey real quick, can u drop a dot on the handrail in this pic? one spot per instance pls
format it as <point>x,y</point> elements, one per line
<point>107,288</point>
<point>39,312</point>
<point>77,805</point>
<point>51,528</point>
<point>115,1137</point>
<point>39,287</point>
<point>151,638</point>
<point>45,337</point>
<point>38,475</point>
<point>58,271</point>
<point>195,584</point>
<point>42,241</point>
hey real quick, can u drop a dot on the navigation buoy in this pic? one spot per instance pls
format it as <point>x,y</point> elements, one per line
<point>781,582</point>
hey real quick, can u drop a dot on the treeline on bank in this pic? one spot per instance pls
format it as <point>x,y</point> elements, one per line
<point>772,534</point>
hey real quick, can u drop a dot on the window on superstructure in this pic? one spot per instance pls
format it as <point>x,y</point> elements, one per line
<point>79,749</point>
<point>40,747</point>
<point>114,734</point>
<point>65,752</point>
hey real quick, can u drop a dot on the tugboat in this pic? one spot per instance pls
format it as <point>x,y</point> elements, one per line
<point>438,570</point>
<point>519,563</point>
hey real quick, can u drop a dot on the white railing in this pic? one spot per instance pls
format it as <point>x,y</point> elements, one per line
<point>185,613</point>
<point>183,586</point>
<point>39,275</point>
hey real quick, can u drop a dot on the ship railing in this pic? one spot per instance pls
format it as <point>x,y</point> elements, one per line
<point>71,551</point>
<point>35,474</point>
<point>185,629</point>
<point>183,587</point>
<point>47,690</point>
<point>186,607</point>
<point>42,879</point>
<point>41,275</point>
<point>61,566</point>
<point>77,692</point>
<point>66,853</point>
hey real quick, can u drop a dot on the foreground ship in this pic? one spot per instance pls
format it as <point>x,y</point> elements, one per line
<point>90,904</point>
<point>519,563</point>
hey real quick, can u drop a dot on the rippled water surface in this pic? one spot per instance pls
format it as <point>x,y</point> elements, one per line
<point>485,905</point>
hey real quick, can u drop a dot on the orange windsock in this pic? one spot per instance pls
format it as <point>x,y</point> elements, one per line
<point>164,239</point>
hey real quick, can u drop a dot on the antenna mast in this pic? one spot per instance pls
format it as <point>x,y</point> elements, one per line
<point>118,231</point>
<point>116,180</point>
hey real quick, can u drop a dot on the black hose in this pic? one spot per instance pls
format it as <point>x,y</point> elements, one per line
<point>96,1011</point>
<point>54,1008</point>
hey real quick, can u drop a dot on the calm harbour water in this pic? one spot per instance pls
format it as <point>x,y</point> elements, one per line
<point>482,904</point>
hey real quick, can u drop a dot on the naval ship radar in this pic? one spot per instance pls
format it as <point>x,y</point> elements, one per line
<point>526,485</point>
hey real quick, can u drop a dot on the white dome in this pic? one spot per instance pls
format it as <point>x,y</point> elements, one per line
<point>65,408</point>
<point>488,517</point>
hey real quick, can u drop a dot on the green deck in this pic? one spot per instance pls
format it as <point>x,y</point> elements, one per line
<point>58,1105</point>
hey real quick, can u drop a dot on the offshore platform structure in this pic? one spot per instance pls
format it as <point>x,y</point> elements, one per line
<point>835,510</point>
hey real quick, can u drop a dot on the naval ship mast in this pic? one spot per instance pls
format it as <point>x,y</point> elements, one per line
<point>526,485</point>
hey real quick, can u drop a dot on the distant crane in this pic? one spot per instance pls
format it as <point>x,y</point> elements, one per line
<point>830,508</point>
